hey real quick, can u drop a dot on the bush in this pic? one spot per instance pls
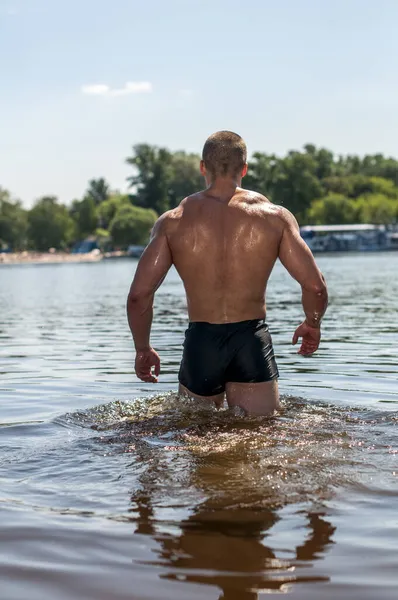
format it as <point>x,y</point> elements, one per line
<point>333,209</point>
<point>132,225</point>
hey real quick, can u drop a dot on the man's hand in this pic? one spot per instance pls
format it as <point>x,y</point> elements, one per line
<point>144,361</point>
<point>311,338</point>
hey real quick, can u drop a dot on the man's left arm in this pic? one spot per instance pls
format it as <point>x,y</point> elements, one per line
<point>151,271</point>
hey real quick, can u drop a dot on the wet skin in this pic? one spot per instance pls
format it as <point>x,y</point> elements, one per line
<point>224,242</point>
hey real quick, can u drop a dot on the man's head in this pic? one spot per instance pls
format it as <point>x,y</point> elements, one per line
<point>224,155</point>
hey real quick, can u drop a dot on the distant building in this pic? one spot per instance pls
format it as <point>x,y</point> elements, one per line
<point>346,238</point>
<point>393,237</point>
<point>135,251</point>
<point>85,246</point>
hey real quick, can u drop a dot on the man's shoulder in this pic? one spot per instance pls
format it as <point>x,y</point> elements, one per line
<point>170,219</point>
<point>265,205</point>
<point>177,212</point>
<point>192,199</point>
<point>252,197</point>
<point>167,222</point>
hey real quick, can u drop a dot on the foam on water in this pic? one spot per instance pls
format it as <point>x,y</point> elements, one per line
<point>305,452</point>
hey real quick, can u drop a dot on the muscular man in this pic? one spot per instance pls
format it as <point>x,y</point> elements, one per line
<point>224,242</point>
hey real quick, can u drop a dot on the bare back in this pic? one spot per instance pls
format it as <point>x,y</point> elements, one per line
<point>224,242</point>
<point>224,252</point>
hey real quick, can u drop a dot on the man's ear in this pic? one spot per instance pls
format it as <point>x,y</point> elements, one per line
<point>202,168</point>
<point>244,170</point>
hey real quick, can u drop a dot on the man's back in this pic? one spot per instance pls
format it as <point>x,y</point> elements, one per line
<point>224,242</point>
<point>224,250</point>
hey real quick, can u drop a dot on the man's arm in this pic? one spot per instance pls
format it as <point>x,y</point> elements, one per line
<point>297,258</point>
<point>151,271</point>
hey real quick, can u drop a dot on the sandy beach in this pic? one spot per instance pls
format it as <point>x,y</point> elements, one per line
<point>16,258</point>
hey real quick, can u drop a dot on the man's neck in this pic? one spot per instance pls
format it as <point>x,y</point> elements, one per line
<point>223,187</point>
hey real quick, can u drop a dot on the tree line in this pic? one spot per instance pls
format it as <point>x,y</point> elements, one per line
<point>317,186</point>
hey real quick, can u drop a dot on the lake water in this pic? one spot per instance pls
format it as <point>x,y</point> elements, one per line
<point>111,489</point>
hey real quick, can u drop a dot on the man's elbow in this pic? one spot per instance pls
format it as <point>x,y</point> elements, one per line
<point>139,301</point>
<point>321,289</point>
<point>318,287</point>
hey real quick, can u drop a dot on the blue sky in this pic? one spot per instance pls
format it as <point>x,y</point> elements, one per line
<point>84,80</point>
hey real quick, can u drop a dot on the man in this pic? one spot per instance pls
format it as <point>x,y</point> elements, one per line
<point>224,242</point>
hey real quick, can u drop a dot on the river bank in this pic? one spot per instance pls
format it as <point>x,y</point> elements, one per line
<point>37,258</point>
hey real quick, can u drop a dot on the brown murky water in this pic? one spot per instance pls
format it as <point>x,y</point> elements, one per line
<point>111,489</point>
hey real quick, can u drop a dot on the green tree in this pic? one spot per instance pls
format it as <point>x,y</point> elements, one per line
<point>108,209</point>
<point>13,222</point>
<point>50,225</point>
<point>103,239</point>
<point>354,186</point>
<point>185,177</point>
<point>296,184</point>
<point>350,186</point>
<point>84,214</point>
<point>153,175</point>
<point>375,165</point>
<point>98,190</point>
<point>324,162</point>
<point>383,186</point>
<point>263,172</point>
<point>333,209</point>
<point>131,225</point>
<point>349,165</point>
<point>377,209</point>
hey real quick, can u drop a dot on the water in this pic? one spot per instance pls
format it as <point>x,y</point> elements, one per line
<point>112,489</point>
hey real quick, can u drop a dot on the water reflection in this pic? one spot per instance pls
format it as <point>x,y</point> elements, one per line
<point>227,538</point>
<point>227,548</point>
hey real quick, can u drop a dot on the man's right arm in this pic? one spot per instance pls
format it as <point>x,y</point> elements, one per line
<point>297,258</point>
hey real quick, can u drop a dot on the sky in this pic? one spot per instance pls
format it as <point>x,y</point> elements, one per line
<point>82,81</point>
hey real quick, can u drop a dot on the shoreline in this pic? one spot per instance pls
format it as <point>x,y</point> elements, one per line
<point>51,258</point>
<point>39,258</point>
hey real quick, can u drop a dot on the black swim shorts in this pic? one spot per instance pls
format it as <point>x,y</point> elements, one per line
<point>215,354</point>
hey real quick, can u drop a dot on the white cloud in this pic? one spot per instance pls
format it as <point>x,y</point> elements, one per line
<point>131,87</point>
<point>98,89</point>
<point>186,93</point>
